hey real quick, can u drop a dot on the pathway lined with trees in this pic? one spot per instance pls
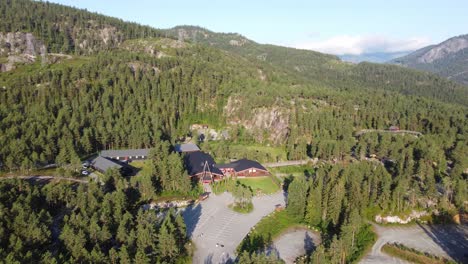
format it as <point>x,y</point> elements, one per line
<point>44,178</point>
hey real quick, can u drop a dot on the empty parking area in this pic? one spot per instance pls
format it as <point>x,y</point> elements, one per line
<point>295,243</point>
<point>211,223</point>
<point>449,241</point>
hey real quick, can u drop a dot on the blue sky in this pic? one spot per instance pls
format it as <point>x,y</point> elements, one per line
<point>332,26</point>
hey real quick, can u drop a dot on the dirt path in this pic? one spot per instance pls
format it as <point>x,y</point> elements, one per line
<point>365,131</point>
<point>44,178</point>
<point>289,163</point>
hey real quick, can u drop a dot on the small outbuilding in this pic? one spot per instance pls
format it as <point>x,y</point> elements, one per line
<point>187,147</point>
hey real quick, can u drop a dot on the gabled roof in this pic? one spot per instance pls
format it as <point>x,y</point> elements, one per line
<point>124,152</point>
<point>103,164</point>
<point>188,147</point>
<point>195,161</point>
<point>243,164</point>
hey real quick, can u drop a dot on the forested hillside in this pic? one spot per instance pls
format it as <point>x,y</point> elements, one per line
<point>104,83</point>
<point>323,69</point>
<point>446,59</point>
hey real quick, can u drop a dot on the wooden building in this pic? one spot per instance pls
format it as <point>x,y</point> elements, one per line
<point>201,167</point>
<point>243,168</point>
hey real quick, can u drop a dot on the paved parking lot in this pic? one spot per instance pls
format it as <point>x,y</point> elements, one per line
<point>295,243</point>
<point>211,222</point>
<point>449,241</point>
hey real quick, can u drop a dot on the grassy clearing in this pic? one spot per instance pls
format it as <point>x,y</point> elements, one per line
<point>265,231</point>
<point>243,210</point>
<point>276,223</point>
<point>258,185</point>
<point>264,185</point>
<point>144,166</point>
<point>412,255</point>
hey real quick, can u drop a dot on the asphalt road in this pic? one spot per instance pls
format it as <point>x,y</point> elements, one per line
<point>211,222</point>
<point>449,241</point>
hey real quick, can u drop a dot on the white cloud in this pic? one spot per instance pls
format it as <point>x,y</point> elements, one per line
<point>356,45</point>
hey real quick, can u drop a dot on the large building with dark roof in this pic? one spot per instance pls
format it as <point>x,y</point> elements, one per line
<point>126,154</point>
<point>201,166</point>
<point>243,168</point>
<point>103,164</point>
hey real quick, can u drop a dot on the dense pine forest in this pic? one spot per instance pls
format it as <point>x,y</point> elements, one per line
<point>102,83</point>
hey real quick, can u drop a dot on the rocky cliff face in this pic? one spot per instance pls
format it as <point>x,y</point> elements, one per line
<point>448,59</point>
<point>264,123</point>
<point>20,47</point>
<point>444,49</point>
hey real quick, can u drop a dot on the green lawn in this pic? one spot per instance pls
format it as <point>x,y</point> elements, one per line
<point>265,231</point>
<point>412,255</point>
<point>263,185</point>
<point>143,165</point>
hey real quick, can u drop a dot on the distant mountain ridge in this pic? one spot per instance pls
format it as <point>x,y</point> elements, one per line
<point>448,59</point>
<point>324,69</point>
<point>377,57</point>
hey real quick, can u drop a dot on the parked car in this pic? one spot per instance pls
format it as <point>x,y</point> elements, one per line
<point>85,172</point>
<point>85,164</point>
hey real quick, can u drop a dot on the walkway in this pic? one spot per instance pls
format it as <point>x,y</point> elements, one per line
<point>290,163</point>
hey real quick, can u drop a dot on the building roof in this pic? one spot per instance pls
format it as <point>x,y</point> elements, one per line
<point>195,162</point>
<point>242,164</point>
<point>112,153</point>
<point>103,164</point>
<point>188,147</point>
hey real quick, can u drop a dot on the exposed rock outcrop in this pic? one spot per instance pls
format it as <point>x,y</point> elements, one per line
<point>264,123</point>
<point>448,47</point>
<point>392,219</point>
<point>20,48</point>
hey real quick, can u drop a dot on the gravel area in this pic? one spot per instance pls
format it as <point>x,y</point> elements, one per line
<point>211,222</point>
<point>295,243</point>
<point>449,241</point>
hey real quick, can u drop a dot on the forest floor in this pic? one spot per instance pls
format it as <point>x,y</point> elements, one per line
<point>216,230</point>
<point>449,241</point>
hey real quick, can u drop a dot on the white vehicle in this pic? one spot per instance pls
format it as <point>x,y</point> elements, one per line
<point>85,172</point>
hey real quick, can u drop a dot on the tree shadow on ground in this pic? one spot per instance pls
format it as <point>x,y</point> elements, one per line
<point>208,259</point>
<point>191,217</point>
<point>451,238</point>
<point>271,250</point>
<point>309,245</point>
